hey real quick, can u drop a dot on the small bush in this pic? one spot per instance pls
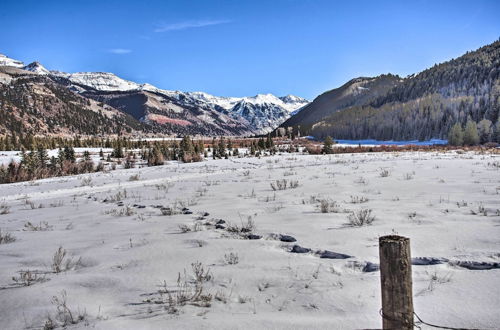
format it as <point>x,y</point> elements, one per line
<point>27,278</point>
<point>64,315</point>
<point>189,290</point>
<point>134,177</point>
<point>284,184</point>
<point>384,173</point>
<point>6,238</point>
<point>408,176</point>
<point>42,226</point>
<point>231,258</point>
<point>359,199</point>
<point>327,206</point>
<point>361,218</point>
<point>4,208</point>
<point>60,263</point>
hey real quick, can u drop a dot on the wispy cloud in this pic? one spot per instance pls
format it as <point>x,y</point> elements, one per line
<point>188,25</point>
<point>119,51</point>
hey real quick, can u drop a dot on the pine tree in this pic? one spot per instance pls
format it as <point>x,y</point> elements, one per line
<point>497,131</point>
<point>43,157</point>
<point>456,135</point>
<point>471,136</point>
<point>485,130</point>
<point>327,146</point>
<point>262,144</point>
<point>221,147</point>
<point>86,156</point>
<point>69,154</point>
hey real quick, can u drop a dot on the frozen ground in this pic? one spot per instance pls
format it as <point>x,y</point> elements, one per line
<point>123,254</point>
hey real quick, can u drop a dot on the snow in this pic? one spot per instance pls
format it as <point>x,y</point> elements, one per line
<point>103,81</point>
<point>125,259</point>
<point>6,61</point>
<point>37,68</point>
<point>7,156</point>
<point>264,112</point>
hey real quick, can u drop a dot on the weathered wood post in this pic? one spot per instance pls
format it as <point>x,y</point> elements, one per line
<point>395,279</point>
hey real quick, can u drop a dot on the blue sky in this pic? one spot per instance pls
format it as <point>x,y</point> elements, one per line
<point>239,48</point>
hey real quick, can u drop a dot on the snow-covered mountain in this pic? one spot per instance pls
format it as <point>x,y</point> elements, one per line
<point>262,113</point>
<point>37,68</point>
<point>6,61</point>
<point>257,114</point>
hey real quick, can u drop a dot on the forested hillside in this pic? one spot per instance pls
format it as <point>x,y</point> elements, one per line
<point>33,104</point>
<point>425,105</point>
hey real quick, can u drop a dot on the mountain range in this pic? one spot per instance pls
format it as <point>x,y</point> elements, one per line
<point>131,106</point>
<point>34,100</point>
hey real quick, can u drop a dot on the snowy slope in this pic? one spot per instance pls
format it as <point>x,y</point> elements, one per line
<point>7,61</point>
<point>102,81</point>
<point>37,68</point>
<point>126,257</point>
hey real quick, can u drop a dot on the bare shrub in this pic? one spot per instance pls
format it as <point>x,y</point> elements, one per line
<point>328,206</point>
<point>120,195</point>
<point>4,208</point>
<point>268,199</point>
<point>41,226</point>
<point>86,181</point>
<point>231,258</point>
<point>6,238</point>
<point>123,212</point>
<point>359,199</point>
<point>167,211</point>
<point>186,229</point>
<point>284,184</point>
<point>384,173</point>
<point>189,290</point>
<point>27,278</point>
<point>361,217</point>
<point>61,264</point>
<point>408,176</point>
<point>64,315</point>
<point>361,180</point>
<point>135,177</point>
<point>246,227</point>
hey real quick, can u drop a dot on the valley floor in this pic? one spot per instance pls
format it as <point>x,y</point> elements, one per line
<point>126,253</point>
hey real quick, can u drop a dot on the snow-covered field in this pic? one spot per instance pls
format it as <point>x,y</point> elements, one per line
<point>125,252</point>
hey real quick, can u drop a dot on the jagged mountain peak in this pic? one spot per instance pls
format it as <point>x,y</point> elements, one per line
<point>37,68</point>
<point>237,115</point>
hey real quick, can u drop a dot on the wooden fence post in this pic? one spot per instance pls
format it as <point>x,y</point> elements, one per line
<point>396,282</point>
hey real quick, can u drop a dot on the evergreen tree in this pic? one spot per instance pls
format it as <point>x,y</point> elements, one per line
<point>221,147</point>
<point>485,130</point>
<point>262,144</point>
<point>327,146</point>
<point>43,157</point>
<point>497,131</point>
<point>69,154</point>
<point>269,142</point>
<point>471,136</point>
<point>456,135</point>
<point>86,156</point>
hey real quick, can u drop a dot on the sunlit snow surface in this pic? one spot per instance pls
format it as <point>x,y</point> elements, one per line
<point>429,197</point>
